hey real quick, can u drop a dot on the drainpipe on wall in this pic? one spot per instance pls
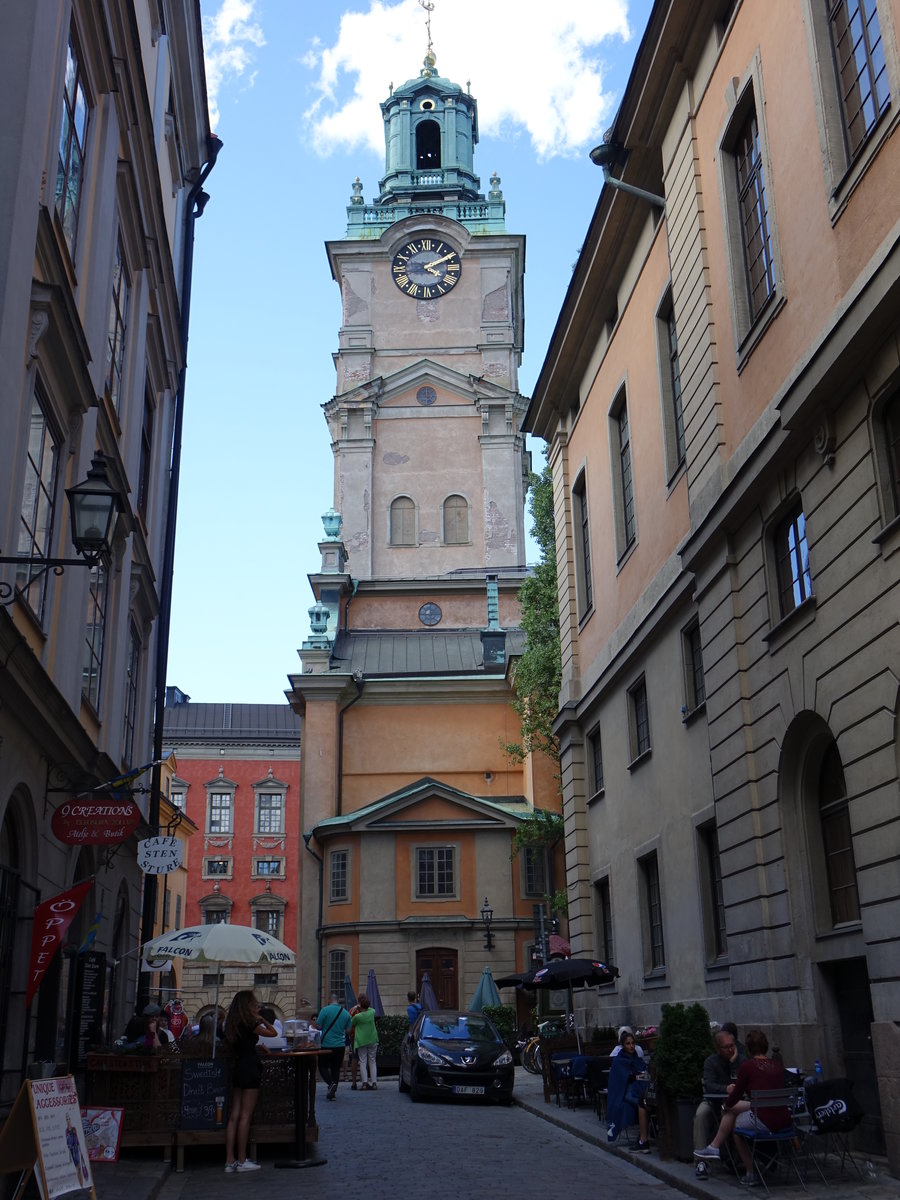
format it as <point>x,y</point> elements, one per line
<point>196,202</point>
<point>307,838</point>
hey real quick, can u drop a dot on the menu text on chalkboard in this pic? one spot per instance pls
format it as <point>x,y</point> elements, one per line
<point>205,1091</point>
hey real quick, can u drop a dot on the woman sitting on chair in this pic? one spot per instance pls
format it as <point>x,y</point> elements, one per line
<point>756,1073</point>
<point>625,1093</point>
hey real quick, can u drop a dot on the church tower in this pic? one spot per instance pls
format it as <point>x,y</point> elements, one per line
<point>409,798</point>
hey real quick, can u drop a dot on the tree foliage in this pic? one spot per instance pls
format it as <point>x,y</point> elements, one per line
<point>539,670</point>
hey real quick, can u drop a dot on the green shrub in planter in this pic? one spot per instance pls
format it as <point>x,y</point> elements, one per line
<point>504,1017</point>
<point>392,1029</point>
<point>684,1043</point>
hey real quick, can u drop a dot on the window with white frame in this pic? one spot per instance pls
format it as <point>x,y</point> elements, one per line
<point>38,506</point>
<point>638,719</point>
<point>218,868</point>
<point>269,812</point>
<point>339,876</point>
<point>694,679</point>
<point>268,920</point>
<point>791,551</point>
<point>435,872</point>
<point>132,686</point>
<point>670,386</point>
<point>94,632</point>
<point>215,911</point>
<point>584,586</point>
<point>603,911</point>
<point>594,762</point>
<point>177,798</point>
<point>219,812</point>
<point>271,867</point>
<point>712,897</point>
<point>337,971</point>
<point>118,325</point>
<point>622,475</point>
<point>72,145</point>
<point>651,914</point>
<point>456,521</point>
<point>403,522</point>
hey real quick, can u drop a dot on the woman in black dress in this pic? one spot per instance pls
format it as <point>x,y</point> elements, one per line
<point>243,1027</point>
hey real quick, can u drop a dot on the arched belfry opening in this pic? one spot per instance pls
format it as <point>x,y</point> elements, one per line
<point>428,146</point>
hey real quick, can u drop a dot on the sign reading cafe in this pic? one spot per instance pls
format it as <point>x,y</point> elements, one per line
<point>160,855</point>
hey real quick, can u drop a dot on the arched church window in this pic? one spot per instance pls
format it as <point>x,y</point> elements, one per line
<point>428,146</point>
<point>837,839</point>
<point>403,522</point>
<point>456,521</point>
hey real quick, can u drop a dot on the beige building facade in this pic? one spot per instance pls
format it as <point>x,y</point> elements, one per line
<point>721,403</point>
<point>105,141</point>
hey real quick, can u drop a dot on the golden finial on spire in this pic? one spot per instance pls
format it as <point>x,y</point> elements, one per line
<point>430,59</point>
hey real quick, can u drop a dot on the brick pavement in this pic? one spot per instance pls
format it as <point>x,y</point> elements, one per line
<point>381,1142</point>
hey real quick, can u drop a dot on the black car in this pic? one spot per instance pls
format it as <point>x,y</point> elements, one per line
<point>450,1053</point>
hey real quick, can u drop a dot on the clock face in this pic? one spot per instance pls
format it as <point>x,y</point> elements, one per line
<point>426,268</point>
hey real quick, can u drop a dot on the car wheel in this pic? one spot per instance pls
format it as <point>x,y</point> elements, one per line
<point>403,1087</point>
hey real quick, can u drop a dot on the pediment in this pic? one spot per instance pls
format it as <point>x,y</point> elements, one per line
<point>426,804</point>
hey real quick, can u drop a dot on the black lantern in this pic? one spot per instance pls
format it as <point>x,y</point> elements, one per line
<point>487,917</point>
<point>93,507</point>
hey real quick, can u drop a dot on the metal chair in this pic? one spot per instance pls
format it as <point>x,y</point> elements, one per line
<point>834,1112</point>
<point>783,1142</point>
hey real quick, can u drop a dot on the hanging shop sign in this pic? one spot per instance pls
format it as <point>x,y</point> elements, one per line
<point>160,855</point>
<point>100,821</point>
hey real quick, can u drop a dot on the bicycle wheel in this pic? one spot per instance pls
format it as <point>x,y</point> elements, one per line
<point>531,1057</point>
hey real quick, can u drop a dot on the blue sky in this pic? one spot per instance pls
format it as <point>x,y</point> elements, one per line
<point>295,88</point>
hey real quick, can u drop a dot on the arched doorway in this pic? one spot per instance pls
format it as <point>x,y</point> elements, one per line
<point>442,968</point>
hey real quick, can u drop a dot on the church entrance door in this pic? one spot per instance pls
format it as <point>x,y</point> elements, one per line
<point>441,966</point>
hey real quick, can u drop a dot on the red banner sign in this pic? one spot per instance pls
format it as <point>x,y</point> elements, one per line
<point>99,821</point>
<point>51,920</point>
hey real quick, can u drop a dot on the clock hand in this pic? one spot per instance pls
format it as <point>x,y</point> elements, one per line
<point>435,261</point>
<point>431,271</point>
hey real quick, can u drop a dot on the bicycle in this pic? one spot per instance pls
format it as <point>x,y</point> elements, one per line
<point>532,1059</point>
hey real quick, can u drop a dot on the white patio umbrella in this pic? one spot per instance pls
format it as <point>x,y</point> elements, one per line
<point>219,943</point>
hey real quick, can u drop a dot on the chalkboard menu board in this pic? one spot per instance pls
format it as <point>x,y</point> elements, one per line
<point>205,1091</point>
<point>89,990</point>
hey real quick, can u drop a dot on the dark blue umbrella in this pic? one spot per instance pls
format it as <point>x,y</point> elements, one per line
<point>373,994</point>
<point>426,994</point>
<point>349,997</point>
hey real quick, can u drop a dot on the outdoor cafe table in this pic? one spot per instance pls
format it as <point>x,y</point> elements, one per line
<point>304,1079</point>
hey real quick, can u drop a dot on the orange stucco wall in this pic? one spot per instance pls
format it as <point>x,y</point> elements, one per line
<point>467,610</point>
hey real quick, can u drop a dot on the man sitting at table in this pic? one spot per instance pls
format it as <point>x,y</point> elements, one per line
<point>719,1074</point>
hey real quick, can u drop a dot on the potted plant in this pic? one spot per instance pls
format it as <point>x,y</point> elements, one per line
<point>392,1029</point>
<point>504,1017</point>
<point>684,1042</point>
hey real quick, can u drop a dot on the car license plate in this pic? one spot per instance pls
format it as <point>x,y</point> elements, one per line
<point>466,1090</point>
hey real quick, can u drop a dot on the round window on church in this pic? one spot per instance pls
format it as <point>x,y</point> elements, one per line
<point>430,613</point>
<point>426,396</point>
<point>426,105</point>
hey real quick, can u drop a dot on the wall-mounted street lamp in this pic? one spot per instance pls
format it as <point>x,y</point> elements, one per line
<point>93,506</point>
<point>487,918</point>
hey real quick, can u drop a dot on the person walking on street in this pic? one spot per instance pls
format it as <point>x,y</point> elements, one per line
<point>365,1043</point>
<point>243,1028</point>
<point>333,1020</point>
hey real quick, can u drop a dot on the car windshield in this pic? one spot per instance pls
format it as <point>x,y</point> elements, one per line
<point>471,1029</point>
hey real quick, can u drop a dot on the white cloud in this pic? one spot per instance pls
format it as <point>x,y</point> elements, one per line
<point>229,36</point>
<point>534,66</point>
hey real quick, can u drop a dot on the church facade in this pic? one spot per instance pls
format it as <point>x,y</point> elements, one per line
<point>409,800</point>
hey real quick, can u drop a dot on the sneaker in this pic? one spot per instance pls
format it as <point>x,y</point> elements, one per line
<point>230,1168</point>
<point>374,1087</point>
<point>643,1147</point>
<point>709,1152</point>
<point>749,1180</point>
<point>332,1090</point>
<point>702,1171</point>
<point>247,1165</point>
<point>611,1133</point>
<point>353,1087</point>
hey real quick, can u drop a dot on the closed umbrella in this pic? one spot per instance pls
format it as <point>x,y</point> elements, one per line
<point>373,993</point>
<point>349,997</point>
<point>426,994</point>
<point>220,943</point>
<point>485,993</point>
<point>518,979</point>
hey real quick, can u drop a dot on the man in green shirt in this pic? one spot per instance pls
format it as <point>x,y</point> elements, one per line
<point>333,1020</point>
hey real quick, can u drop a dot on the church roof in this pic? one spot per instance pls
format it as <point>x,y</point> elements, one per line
<point>435,83</point>
<point>475,811</point>
<point>416,652</point>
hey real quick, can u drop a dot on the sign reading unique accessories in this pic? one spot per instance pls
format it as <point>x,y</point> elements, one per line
<point>99,821</point>
<point>160,855</point>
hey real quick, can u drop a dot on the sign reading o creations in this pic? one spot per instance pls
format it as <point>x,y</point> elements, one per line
<point>99,821</point>
<point>160,855</point>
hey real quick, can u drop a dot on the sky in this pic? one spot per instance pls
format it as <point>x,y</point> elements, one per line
<point>295,88</point>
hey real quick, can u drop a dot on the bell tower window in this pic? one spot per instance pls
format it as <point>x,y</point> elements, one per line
<point>428,146</point>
